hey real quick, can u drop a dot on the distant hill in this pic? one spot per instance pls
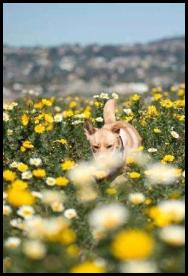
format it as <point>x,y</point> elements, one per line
<point>74,68</point>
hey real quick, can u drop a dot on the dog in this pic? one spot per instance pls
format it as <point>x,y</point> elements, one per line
<point>114,136</point>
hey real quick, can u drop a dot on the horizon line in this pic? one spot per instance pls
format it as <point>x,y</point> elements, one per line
<point>5,44</point>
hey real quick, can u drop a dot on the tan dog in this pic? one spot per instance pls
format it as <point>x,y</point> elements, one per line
<point>114,136</point>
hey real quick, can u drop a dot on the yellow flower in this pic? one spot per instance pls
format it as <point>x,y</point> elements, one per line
<point>168,158</point>
<point>128,118</point>
<point>181,92</point>
<point>72,104</point>
<point>152,111</point>
<point>156,130</point>
<point>98,104</point>
<point>89,267</point>
<point>22,149</point>
<point>61,141</point>
<point>167,103</point>
<point>19,184</point>
<point>160,218</point>
<point>61,181</point>
<point>111,191</point>
<point>67,236</point>
<point>49,127</point>
<point>39,128</point>
<point>135,98</point>
<point>17,197</point>
<point>130,160</point>
<point>134,175</point>
<point>180,118</point>
<point>156,97</point>
<point>48,118</point>
<point>22,167</point>
<point>73,250</point>
<point>38,105</point>
<point>47,102</point>
<point>67,165</point>
<point>86,113</point>
<point>68,113</point>
<point>39,173</point>
<point>25,119</point>
<point>148,201</point>
<point>9,175</point>
<point>27,144</point>
<point>132,244</point>
<point>179,103</point>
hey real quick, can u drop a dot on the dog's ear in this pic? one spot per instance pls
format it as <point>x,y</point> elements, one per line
<point>109,112</point>
<point>88,127</point>
<point>116,127</point>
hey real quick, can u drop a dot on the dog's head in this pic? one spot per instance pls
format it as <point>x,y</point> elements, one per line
<point>105,141</point>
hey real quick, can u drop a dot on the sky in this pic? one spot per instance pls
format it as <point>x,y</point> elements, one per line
<point>51,24</point>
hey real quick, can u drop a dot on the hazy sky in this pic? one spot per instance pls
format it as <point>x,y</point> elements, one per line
<point>114,23</point>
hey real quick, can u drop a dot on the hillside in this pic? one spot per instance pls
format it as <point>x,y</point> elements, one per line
<point>69,69</point>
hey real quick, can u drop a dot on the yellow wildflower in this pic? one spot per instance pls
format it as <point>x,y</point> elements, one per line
<point>135,98</point>
<point>179,103</point>
<point>73,250</point>
<point>39,128</point>
<point>9,175</point>
<point>68,113</point>
<point>180,117</point>
<point>156,97</point>
<point>48,118</point>
<point>72,104</point>
<point>38,105</point>
<point>88,267</point>
<point>25,119</point>
<point>152,111</point>
<point>86,113</point>
<point>17,197</point>
<point>167,103</point>
<point>61,181</point>
<point>47,102</point>
<point>22,167</point>
<point>61,141</point>
<point>168,158</point>
<point>134,175</point>
<point>27,144</point>
<point>111,191</point>
<point>67,165</point>
<point>156,130</point>
<point>181,92</point>
<point>39,173</point>
<point>132,244</point>
<point>67,236</point>
<point>19,184</point>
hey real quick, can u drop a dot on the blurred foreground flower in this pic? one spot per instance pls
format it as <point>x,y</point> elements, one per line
<point>173,235</point>
<point>12,242</point>
<point>138,267</point>
<point>168,212</point>
<point>89,267</point>
<point>132,244</point>
<point>107,217</point>
<point>158,173</point>
<point>34,249</point>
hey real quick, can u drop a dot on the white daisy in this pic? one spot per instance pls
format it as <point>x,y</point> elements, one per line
<point>70,213</point>
<point>12,242</point>
<point>26,211</point>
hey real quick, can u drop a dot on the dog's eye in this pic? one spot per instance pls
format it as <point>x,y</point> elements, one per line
<point>95,147</point>
<point>109,146</point>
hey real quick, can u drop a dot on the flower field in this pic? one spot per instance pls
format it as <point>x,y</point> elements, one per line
<point>59,218</point>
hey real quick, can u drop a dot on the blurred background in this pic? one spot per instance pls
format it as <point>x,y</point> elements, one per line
<point>64,49</point>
